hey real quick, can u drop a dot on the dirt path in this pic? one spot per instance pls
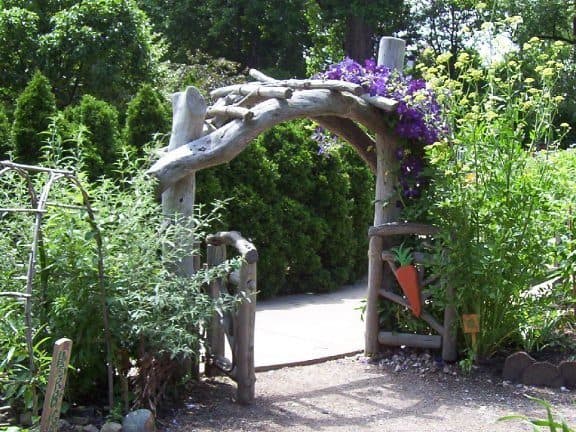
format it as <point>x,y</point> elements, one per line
<point>352,395</point>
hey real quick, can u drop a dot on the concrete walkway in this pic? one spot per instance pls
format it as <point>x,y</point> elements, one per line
<point>307,328</point>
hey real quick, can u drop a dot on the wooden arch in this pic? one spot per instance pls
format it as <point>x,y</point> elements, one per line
<point>242,112</point>
<point>204,137</point>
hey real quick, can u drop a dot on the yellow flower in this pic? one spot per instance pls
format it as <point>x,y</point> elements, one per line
<point>463,57</point>
<point>547,72</point>
<point>470,178</point>
<point>443,58</point>
<point>529,80</point>
<point>491,115</point>
<point>534,40</point>
<point>565,125</point>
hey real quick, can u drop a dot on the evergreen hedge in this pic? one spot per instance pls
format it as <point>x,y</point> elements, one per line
<point>146,115</point>
<point>101,146</point>
<point>307,213</point>
<point>35,106</point>
<point>5,145</point>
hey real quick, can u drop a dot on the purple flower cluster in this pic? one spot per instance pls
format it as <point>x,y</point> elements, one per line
<point>418,115</point>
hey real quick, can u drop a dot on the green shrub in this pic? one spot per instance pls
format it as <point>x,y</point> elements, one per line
<point>154,315</point>
<point>146,116</point>
<point>34,108</point>
<point>491,197</point>
<point>100,148</point>
<point>300,208</point>
<point>5,144</point>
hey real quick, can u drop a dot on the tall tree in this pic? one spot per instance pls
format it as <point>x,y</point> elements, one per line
<point>352,27</point>
<point>266,34</point>
<point>546,19</point>
<point>18,48</point>
<point>101,47</point>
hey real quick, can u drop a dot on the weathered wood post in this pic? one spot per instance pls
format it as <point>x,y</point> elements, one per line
<point>246,376</point>
<point>189,111</point>
<point>390,54</point>
<point>56,385</point>
<point>215,255</point>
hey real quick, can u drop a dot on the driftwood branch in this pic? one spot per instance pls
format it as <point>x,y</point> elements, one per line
<point>352,133</point>
<point>381,102</point>
<point>235,239</point>
<point>277,92</point>
<point>224,144</point>
<point>230,112</point>
<point>14,294</point>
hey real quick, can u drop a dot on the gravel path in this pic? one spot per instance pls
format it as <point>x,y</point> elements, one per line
<point>353,395</point>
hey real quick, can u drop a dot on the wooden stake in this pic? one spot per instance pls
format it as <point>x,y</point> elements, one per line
<point>56,385</point>
<point>390,54</point>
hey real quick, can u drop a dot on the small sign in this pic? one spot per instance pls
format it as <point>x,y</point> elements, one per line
<point>56,385</point>
<point>471,323</point>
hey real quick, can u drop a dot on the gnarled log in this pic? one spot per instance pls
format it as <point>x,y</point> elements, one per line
<point>224,144</point>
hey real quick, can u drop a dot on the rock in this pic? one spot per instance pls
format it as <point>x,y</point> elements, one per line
<point>64,426</point>
<point>80,421</point>
<point>542,374</point>
<point>111,427</point>
<point>568,372</point>
<point>26,418</point>
<point>515,365</point>
<point>90,428</point>
<point>141,420</point>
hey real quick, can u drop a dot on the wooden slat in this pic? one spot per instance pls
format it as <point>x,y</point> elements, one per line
<point>402,228</point>
<point>411,340</point>
<point>425,316</point>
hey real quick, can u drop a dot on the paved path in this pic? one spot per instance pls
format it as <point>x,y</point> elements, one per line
<point>304,328</point>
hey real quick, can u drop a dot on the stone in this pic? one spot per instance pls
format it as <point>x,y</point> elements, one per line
<point>64,426</point>
<point>568,372</point>
<point>111,427</point>
<point>141,420</point>
<point>542,374</point>
<point>26,418</point>
<point>515,365</point>
<point>79,420</point>
<point>90,428</point>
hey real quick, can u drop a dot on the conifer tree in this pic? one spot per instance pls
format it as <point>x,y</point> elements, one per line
<point>100,149</point>
<point>34,108</point>
<point>146,116</point>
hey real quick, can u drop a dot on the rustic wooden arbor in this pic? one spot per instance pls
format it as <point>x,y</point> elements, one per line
<point>203,137</point>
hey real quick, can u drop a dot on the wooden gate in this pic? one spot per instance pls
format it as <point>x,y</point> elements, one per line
<point>237,325</point>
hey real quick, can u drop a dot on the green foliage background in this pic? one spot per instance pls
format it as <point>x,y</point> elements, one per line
<point>307,213</point>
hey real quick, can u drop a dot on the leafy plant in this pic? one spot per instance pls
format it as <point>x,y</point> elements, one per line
<point>549,423</point>
<point>492,188</point>
<point>403,254</point>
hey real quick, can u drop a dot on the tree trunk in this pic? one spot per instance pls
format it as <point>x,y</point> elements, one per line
<point>359,39</point>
